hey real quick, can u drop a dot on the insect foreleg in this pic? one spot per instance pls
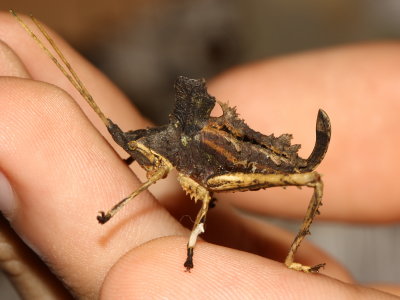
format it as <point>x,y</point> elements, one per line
<point>249,181</point>
<point>159,174</point>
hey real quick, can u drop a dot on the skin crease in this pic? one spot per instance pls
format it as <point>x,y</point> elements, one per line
<point>63,172</point>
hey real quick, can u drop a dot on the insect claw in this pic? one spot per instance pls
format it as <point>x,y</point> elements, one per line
<point>316,268</point>
<point>103,218</point>
<point>189,260</point>
<point>188,267</point>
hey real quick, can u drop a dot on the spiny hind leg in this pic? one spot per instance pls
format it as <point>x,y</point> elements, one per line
<point>248,181</point>
<point>312,212</point>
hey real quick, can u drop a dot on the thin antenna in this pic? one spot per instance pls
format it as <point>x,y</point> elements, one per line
<point>71,75</point>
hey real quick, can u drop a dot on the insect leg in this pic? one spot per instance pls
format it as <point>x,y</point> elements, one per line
<point>250,181</point>
<point>198,228</point>
<point>312,211</point>
<point>159,174</point>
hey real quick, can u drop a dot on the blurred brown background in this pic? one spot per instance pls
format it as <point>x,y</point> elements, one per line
<point>144,44</point>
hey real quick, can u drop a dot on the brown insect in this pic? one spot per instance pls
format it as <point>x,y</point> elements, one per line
<point>211,154</point>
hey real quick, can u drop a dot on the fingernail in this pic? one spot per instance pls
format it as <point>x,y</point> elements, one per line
<point>7,197</point>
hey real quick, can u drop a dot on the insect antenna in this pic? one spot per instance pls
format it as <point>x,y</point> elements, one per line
<point>66,69</point>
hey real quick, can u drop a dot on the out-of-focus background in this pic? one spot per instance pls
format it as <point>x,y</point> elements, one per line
<point>144,44</point>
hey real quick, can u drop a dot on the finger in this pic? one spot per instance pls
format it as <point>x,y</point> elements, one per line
<point>151,271</point>
<point>63,172</point>
<point>26,272</point>
<point>29,275</point>
<point>358,87</point>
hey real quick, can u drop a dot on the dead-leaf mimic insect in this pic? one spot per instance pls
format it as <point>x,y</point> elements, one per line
<point>211,154</point>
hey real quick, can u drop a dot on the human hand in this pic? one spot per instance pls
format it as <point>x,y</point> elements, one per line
<point>62,172</point>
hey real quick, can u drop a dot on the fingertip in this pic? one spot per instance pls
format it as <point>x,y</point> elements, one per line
<point>155,270</point>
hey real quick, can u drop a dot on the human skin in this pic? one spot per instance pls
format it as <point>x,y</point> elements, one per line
<point>62,172</point>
